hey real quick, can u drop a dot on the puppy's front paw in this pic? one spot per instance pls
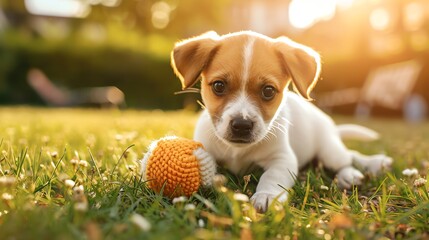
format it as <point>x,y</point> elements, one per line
<point>378,163</point>
<point>261,200</point>
<point>349,176</point>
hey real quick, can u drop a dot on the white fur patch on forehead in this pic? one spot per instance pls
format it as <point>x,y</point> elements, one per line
<point>247,58</point>
<point>242,106</point>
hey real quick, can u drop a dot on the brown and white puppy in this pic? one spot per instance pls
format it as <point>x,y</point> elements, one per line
<point>252,118</point>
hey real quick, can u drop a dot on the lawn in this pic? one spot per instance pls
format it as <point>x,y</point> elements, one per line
<point>74,174</point>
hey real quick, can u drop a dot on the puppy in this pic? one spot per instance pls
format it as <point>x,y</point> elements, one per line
<point>251,117</point>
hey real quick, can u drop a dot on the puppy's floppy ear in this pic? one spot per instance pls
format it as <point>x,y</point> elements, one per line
<point>191,56</point>
<point>301,62</point>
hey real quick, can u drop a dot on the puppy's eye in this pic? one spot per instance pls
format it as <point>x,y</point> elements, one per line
<point>268,93</point>
<point>219,87</point>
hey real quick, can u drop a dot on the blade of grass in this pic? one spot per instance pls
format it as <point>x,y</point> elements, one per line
<point>20,162</point>
<point>307,192</point>
<point>119,160</point>
<point>40,187</point>
<point>95,164</point>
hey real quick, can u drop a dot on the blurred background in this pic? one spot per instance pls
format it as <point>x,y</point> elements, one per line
<point>57,52</point>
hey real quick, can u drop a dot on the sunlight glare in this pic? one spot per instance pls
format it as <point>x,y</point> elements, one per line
<point>414,16</point>
<point>161,14</point>
<point>380,19</point>
<point>58,8</point>
<point>305,13</point>
<point>344,3</point>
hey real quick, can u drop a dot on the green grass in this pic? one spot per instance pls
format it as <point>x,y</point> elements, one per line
<point>38,149</point>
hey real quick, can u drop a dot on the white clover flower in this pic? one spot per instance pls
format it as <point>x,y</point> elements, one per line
<point>119,137</point>
<point>7,196</point>
<point>141,222</point>
<point>180,199</point>
<point>69,183</point>
<point>419,182</point>
<point>323,187</point>
<point>78,190</point>
<point>54,154</point>
<point>241,197</point>
<point>189,207</point>
<point>83,163</point>
<point>7,180</point>
<point>74,162</point>
<point>81,206</point>
<point>201,223</point>
<point>410,172</point>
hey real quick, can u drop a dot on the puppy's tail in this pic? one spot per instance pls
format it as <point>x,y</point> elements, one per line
<point>356,132</point>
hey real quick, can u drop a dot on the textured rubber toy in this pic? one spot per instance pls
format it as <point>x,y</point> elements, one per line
<point>177,167</point>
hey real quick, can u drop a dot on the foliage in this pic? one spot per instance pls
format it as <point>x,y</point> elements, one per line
<point>41,162</point>
<point>141,69</point>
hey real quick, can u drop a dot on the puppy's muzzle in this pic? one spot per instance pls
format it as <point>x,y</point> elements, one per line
<point>241,130</point>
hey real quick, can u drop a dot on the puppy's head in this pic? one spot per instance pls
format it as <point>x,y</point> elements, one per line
<point>244,76</point>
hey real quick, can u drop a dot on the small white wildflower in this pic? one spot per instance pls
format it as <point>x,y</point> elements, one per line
<point>74,162</point>
<point>69,183</point>
<point>140,222</point>
<point>119,137</point>
<point>7,180</point>
<point>420,182</point>
<point>83,163</point>
<point>78,190</point>
<point>327,236</point>
<point>241,197</point>
<point>189,207</point>
<point>54,154</point>
<point>410,172</point>
<point>323,187</point>
<point>105,178</point>
<point>201,223</point>
<point>81,206</point>
<point>81,203</point>
<point>325,211</point>
<point>7,196</point>
<point>180,199</point>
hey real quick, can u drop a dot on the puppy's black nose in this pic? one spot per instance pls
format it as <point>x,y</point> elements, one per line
<point>241,127</point>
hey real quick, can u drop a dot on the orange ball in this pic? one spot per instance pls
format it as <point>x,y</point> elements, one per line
<point>173,166</point>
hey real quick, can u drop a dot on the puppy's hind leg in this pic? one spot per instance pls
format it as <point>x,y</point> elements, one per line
<point>373,164</point>
<point>335,156</point>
